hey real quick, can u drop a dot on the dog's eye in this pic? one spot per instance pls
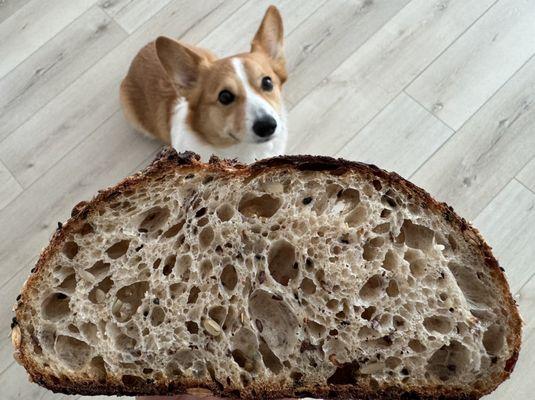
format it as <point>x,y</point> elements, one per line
<point>267,84</point>
<point>225,97</point>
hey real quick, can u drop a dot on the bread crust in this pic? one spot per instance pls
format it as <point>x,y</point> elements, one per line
<point>169,160</point>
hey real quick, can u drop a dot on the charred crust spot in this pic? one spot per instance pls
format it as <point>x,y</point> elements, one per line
<point>80,210</point>
<point>510,363</point>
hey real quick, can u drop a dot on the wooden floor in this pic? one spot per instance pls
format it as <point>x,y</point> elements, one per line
<point>442,91</point>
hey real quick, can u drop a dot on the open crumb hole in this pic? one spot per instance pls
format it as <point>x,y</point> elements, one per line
<point>55,307</point>
<point>118,249</point>
<point>262,206</point>
<point>281,262</point>
<point>153,219</point>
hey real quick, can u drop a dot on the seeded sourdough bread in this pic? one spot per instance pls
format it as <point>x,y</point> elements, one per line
<point>294,276</point>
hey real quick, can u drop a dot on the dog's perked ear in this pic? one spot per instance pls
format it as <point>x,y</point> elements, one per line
<point>182,63</point>
<point>269,39</point>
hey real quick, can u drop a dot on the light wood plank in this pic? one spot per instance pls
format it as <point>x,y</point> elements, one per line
<point>107,156</point>
<point>9,7</point>
<point>507,224</point>
<point>10,290</point>
<point>400,138</point>
<point>527,175</point>
<point>521,385</point>
<point>474,67</point>
<point>49,70</point>
<point>9,187</point>
<point>15,386</point>
<point>328,37</point>
<point>32,26</point>
<point>93,97</point>
<point>136,13</point>
<point>373,76</point>
<point>489,150</point>
<point>236,34</point>
<point>113,7</point>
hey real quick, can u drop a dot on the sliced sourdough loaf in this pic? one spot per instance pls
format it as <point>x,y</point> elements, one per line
<point>294,276</point>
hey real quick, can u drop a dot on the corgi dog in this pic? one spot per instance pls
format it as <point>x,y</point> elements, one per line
<point>231,107</point>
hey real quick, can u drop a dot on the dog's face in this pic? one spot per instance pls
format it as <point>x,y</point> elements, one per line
<point>236,99</point>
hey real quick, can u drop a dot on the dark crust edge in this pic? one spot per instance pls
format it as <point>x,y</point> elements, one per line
<point>168,159</point>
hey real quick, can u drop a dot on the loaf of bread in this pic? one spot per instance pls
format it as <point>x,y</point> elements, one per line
<point>291,277</point>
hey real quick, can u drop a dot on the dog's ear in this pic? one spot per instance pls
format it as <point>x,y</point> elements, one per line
<point>269,39</point>
<point>182,63</point>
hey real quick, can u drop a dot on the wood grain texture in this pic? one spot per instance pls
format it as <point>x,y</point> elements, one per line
<point>91,99</point>
<point>9,187</point>
<point>400,138</point>
<point>474,67</point>
<point>328,37</point>
<point>236,33</point>
<point>527,175</point>
<point>507,225</point>
<point>9,7</point>
<point>136,13</point>
<point>489,150</point>
<point>113,7</point>
<point>13,389</point>
<point>33,25</point>
<point>373,76</point>
<point>44,74</point>
<point>10,290</point>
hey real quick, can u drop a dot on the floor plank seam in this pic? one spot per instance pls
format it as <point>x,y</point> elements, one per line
<point>475,113</point>
<point>524,284</point>
<point>367,123</point>
<point>49,39</point>
<point>12,175</point>
<point>451,44</point>
<point>52,166</point>
<point>321,4</point>
<point>523,185</point>
<point>9,366</point>
<point>313,87</point>
<point>429,111</point>
<point>68,86</point>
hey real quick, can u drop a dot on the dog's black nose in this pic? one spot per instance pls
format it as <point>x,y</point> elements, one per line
<point>265,126</point>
